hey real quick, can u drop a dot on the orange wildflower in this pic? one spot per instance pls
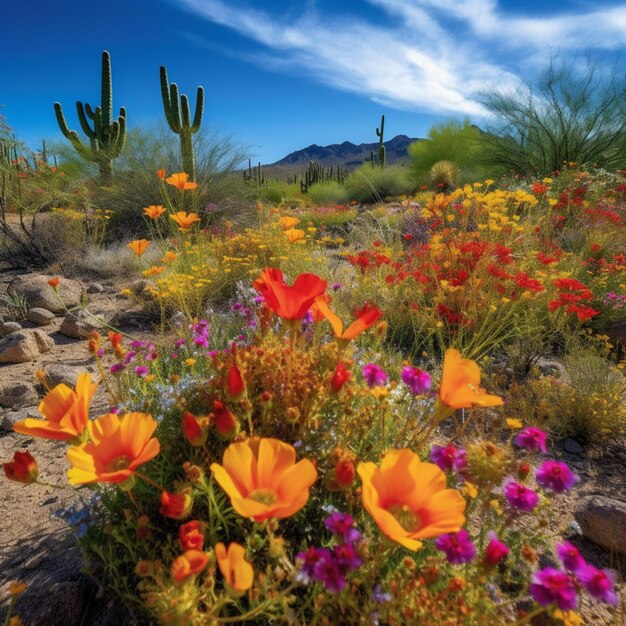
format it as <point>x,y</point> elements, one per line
<point>139,246</point>
<point>176,505</point>
<point>16,588</point>
<point>288,222</point>
<point>190,535</point>
<point>185,220</point>
<point>181,181</point>
<point>192,562</point>
<point>154,211</point>
<point>155,270</point>
<point>460,384</point>
<point>237,572</point>
<point>170,256</point>
<point>290,303</point>
<point>53,282</point>
<point>294,234</point>
<point>22,469</point>
<point>408,499</point>
<point>366,318</point>
<point>263,480</point>
<point>66,412</point>
<point>161,174</point>
<point>117,447</point>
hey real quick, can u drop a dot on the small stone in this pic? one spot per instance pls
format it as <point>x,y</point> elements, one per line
<point>8,418</point>
<point>61,373</point>
<point>14,395</point>
<point>34,562</point>
<point>572,446</point>
<point>603,521</point>
<point>24,346</point>
<point>34,288</point>
<point>140,285</point>
<point>39,316</point>
<point>9,327</point>
<point>95,288</point>
<point>78,326</point>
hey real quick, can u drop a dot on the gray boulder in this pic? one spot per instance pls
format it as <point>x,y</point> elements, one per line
<point>38,293</point>
<point>40,316</point>
<point>603,521</point>
<point>24,346</point>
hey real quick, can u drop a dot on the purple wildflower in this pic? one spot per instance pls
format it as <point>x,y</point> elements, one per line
<point>380,596</point>
<point>531,438</point>
<point>347,557</point>
<point>138,344</point>
<point>598,583</point>
<point>342,526</point>
<point>374,375</point>
<point>117,367</point>
<point>336,286</point>
<point>130,357</point>
<point>457,546</point>
<point>520,497</point>
<point>556,476</point>
<point>496,551</point>
<point>552,586</point>
<point>570,556</point>
<point>141,370</point>
<point>309,560</point>
<point>449,458</point>
<point>328,572</point>
<point>417,380</point>
<point>151,356</point>
<point>237,306</point>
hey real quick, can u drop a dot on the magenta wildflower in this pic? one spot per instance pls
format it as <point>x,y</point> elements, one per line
<point>141,370</point>
<point>417,380</point>
<point>496,551</point>
<point>342,526</point>
<point>117,367</point>
<point>449,458</point>
<point>336,286</point>
<point>520,497</point>
<point>347,557</point>
<point>457,546</point>
<point>570,556</point>
<point>556,476</point>
<point>598,583</point>
<point>531,438</point>
<point>328,571</point>
<point>552,586</point>
<point>374,375</point>
<point>179,343</point>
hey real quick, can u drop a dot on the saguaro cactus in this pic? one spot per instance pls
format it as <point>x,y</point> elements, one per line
<point>107,137</point>
<point>178,117</point>
<point>380,133</point>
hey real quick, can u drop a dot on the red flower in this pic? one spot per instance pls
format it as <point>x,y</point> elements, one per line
<point>53,282</point>
<point>190,535</point>
<point>344,472</point>
<point>340,377</point>
<point>22,469</point>
<point>189,564</point>
<point>225,422</point>
<point>235,386</point>
<point>176,505</point>
<point>290,303</point>
<point>524,281</point>
<point>194,433</point>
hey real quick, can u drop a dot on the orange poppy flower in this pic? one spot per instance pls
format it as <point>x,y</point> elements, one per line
<point>117,447</point>
<point>185,220</point>
<point>139,246</point>
<point>294,234</point>
<point>192,562</point>
<point>288,222</point>
<point>22,469</point>
<point>154,211</point>
<point>290,303</point>
<point>460,384</point>
<point>176,505</point>
<point>237,572</point>
<point>170,256</point>
<point>53,282</point>
<point>408,499</point>
<point>366,318</point>
<point>263,480</point>
<point>190,535</point>
<point>161,174</point>
<point>66,412</point>
<point>181,181</point>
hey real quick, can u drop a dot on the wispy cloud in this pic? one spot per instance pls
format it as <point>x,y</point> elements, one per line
<point>428,55</point>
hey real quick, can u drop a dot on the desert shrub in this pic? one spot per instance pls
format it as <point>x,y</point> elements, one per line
<point>370,183</point>
<point>571,112</point>
<point>328,193</point>
<point>332,219</point>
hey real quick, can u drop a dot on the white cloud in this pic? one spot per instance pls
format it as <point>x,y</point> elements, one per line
<point>431,56</point>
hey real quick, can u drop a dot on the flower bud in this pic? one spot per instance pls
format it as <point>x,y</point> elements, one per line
<point>225,422</point>
<point>176,505</point>
<point>23,468</point>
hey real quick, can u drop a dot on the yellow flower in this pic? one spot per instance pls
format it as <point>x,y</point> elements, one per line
<point>469,490</point>
<point>238,573</point>
<point>190,362</point>
<point>512,423</point>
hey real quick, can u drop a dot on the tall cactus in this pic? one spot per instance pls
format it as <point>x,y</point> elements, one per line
<point>380,132</point>
<point>107,137</point>
<point>178,117</point>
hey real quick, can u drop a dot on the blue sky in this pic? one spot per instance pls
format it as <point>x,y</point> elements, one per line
<point>283,74</point>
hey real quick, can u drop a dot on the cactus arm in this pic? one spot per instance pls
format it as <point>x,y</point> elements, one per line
<point>185,120</point>
<point>106,97</point>
<point>84,124</point>
<point>90,112</point>
<point>197,118</point>
<point>175,107</point>
<point>165,96</point>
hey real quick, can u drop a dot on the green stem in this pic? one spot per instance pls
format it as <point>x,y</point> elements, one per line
<point>524,620</point>
<point>256,610</point>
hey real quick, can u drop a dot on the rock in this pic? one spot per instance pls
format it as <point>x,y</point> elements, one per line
<point>17,394</point>
<point>95,288</point>
<point>135,318</point>
<point>38,293</point>
<point>34,562</point>
<point>8,418</point>
<point>603,521</point>
<point>572,446</point>
<point>58,373</point>
<point>39,316</point>
<point>24,346</point>
<point>9,327</point>
<point>140,285</point>
<point>79,325</point>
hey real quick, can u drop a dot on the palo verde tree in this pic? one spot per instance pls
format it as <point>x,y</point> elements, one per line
<point>568,113</point>
<point>107,137</point>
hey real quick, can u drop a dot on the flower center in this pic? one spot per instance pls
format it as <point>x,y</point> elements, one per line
<point>264,496</point>
<point>408,519</point>
<point>118,463</point>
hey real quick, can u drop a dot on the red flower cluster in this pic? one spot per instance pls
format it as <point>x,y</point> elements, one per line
<point>572,295</point>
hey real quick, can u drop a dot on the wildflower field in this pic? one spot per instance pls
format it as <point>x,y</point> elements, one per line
<point>355,413</point>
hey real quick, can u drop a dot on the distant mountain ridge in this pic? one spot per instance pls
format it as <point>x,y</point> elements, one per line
<point>346,154</point>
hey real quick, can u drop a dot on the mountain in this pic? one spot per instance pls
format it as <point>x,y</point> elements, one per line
<point>346,154</point>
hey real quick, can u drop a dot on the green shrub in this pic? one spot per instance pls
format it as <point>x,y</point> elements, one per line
<point>329,192</point>
<point>370,183</point>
